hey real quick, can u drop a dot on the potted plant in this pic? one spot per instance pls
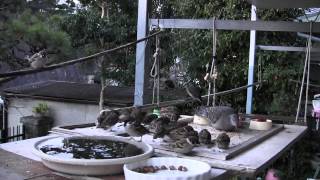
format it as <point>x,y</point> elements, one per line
<point>42,109</point>
<point>39,123</point>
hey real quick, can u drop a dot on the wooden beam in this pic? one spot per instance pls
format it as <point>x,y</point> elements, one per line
<point>244,25</point>
<point>267,4</point>
<point>285,48</point>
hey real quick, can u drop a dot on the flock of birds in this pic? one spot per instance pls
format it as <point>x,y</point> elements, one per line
<point>181,136</point>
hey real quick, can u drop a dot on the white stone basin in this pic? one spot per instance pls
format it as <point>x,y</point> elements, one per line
<point>89,166</point>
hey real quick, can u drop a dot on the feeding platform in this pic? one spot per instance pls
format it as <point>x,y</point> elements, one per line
<point>240,141</point>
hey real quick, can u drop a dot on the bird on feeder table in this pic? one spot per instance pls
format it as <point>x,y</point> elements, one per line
<point>107,119</point>
<point>160,127</point>
<point>124,115</point>
<point>183,146</point>
<point>137,115</point>
<point>223,141</point>
<point>149,118</point>
<point>160,130</point>
<point>136,130</point>
<point>204,137</point>
<point>182,132</point>
<point>171,112</point>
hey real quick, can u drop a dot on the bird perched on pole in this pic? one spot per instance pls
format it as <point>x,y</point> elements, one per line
<point>193,91</point>
<point>37,60</point>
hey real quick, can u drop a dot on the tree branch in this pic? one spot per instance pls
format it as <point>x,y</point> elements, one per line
<point>75,61</point>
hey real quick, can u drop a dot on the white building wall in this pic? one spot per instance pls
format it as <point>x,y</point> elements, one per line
<point>64,113</point>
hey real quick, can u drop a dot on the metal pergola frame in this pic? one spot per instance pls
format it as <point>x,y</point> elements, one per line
<point>252,25</point>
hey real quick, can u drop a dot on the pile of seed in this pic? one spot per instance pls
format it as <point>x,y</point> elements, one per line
<point>154,169</point>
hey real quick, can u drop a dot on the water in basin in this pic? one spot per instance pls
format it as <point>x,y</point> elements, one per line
<point>86,148</point>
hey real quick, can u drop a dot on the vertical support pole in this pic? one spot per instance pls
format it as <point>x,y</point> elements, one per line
<point>142,28</point>
<point>252,54</point>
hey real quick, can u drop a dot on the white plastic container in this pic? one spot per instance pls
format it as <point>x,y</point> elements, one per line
<point>90,166</point>
<point>200,120</point>
<point>197,170</point>
<point>262,126</point>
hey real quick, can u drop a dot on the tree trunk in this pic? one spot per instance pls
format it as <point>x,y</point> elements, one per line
<point>101,101</point>
<point>104,11</point>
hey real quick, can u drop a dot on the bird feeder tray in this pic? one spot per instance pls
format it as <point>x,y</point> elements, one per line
<point>241,140</point>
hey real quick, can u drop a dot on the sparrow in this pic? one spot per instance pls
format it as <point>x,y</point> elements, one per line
<point>137,115</point>
<point>223,141</point>
<point>183,146</point>
<point>205,137</point>
<point>37,60</point>
<point>149,118</point>
<point>124,115</point>
<point>161,127</point>
<point>182,132</point>
<point>136,130</point>
<point>169,84</point>
<point>134,115</point>
<point>171,112</point>
<point>160,130</point>
<point>107,119</point>
<point>194,140</point>
<point>194,92</point>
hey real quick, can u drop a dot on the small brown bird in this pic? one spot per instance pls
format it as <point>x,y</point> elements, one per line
<point>181,133</point>
<point>204,137</point>
<point>124,115</point>
<point>107,119</point>
<point>149,118</point>
<point>137,115</point>
<point>171,112</point>
<point>160,130</point>
<point>193,91</point>
<point>136,130</point>
<point>223,141</point>
<point>183,146</point>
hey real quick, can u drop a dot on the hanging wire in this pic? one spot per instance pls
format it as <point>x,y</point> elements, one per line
<point>211,78</point>
<point>308,74</point>
<point>306,65</point>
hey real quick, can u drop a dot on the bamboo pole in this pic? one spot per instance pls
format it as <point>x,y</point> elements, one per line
<point>188,100</point>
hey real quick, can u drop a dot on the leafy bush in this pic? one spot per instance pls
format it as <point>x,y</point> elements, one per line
<point>41,109</point>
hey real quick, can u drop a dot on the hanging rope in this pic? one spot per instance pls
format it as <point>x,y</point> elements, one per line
<point>212,76</point>
<point>305,69</point>
<point>155,72</point>
<point>259,72</point>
